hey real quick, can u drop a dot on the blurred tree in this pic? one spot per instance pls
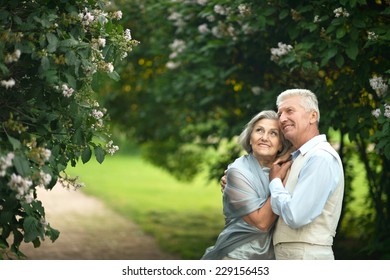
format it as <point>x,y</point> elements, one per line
<point>207,66</point>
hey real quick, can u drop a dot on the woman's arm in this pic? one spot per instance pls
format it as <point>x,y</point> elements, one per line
<point>262,218</point>
<point>244,199</point>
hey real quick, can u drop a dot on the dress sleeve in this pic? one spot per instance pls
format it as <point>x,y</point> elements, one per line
<point>242,194</point>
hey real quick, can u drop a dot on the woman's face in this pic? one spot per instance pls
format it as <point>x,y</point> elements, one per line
<point>266,141</point>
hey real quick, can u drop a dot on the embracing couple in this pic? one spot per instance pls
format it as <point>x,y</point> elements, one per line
<point>283,199</point>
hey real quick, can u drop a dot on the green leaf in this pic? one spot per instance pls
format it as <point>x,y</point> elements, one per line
<point>330,53</point>
<point>339,60</point>
<point>38,207</point>
<point>387,151</point>
<point>71,81</point>
<point>269,11</point>
<point>22,165</point>
<point>358,22</point>
<point>99,154</point>
<point>68,43</point>
<point>78,137</point>
<point>14,142</point>
<point>114,75</point>
<point>284,13</point>
<point>31,229</point>
<point>18,20</point>
<point>45,63</point>
<point>53,42</point>
<point>4,69</point>
<point>86,154</point>
<point>3,244</point>
<point>340,33</point>
<point>52,233</point>
<point>352,50</point>
<point>5,217</point>
<point>71,58</point>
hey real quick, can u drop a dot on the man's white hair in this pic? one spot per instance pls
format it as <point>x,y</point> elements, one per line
<point>308,99</point>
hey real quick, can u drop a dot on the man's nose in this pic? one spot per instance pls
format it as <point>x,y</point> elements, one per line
<point>282,117</point>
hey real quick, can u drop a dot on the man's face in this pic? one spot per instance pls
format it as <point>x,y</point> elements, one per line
<point>294,120</point>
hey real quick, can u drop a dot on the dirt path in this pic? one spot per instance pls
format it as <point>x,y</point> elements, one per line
<point>90,231</point>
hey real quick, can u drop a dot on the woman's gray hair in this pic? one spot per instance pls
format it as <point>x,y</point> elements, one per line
<point>245,136</point>
<point>308,99</point>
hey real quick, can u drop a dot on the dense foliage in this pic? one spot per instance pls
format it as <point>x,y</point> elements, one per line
<point>50,53</point>
<point>207,66</point>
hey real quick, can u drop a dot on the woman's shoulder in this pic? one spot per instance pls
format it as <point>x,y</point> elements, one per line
<point>242,163</point>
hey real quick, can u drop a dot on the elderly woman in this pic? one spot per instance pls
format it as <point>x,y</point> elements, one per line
<point>246,204</point>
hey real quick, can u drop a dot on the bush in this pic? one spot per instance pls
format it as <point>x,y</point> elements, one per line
<point>50,55</point>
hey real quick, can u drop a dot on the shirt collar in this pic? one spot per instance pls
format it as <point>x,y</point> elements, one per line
<point>311,143</point>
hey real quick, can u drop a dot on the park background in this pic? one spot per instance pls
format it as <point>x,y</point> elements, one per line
<point>195,73</point>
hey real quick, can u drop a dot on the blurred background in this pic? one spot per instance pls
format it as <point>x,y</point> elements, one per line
<point>202,69</point>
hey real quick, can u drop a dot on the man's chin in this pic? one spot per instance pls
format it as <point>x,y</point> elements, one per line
<point>288,134</point>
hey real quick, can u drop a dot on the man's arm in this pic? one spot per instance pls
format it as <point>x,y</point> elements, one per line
<point>317,180</point>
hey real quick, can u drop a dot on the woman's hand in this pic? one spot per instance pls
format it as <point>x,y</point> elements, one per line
<point>223,181</point>
<point>279,170</point>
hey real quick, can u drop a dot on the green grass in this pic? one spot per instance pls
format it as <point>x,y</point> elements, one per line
<point>184,218</point>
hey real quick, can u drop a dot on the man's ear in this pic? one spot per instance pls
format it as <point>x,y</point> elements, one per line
<point>313,117</point>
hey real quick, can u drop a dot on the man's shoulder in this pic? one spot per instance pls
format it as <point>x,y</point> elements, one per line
<point>325,151</point>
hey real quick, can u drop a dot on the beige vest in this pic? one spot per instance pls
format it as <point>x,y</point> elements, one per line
<point>322,229</point>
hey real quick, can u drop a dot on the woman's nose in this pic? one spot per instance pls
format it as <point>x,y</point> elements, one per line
<point>264,136</point>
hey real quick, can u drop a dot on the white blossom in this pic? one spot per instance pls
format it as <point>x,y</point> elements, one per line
<point>28,197</point>
<point>172,65</point>
<point>216,32</point>
<point>117,15</point>
<point>256,90</point>
<point>387,111</point>
<point>244,10</point>
<point>174,16</point>
<point>280,51</point>
<point>86,17</point>
<point>67,91</point>
<point>8,84</point>
<point>127,35</point>
<point>12,57</point>
<point>45,154</point>
<point>45,178</point>
<point>203,28</point>
<point>102,42</point>
<point>210,18</point>
<point>178,45</point>
<point>340,12</point>
<point>379,85</point>
<point>219,9</point>
<point>21,186</point>
<point>6,162</point>
<point>201,2</point>
<point>97,114</point>
<point>109,67</point>
<point>372,36</point>
<point>377,112</point>
<point>111,149</point>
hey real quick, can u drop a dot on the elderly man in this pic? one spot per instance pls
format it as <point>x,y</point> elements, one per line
<point>309,205</point>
